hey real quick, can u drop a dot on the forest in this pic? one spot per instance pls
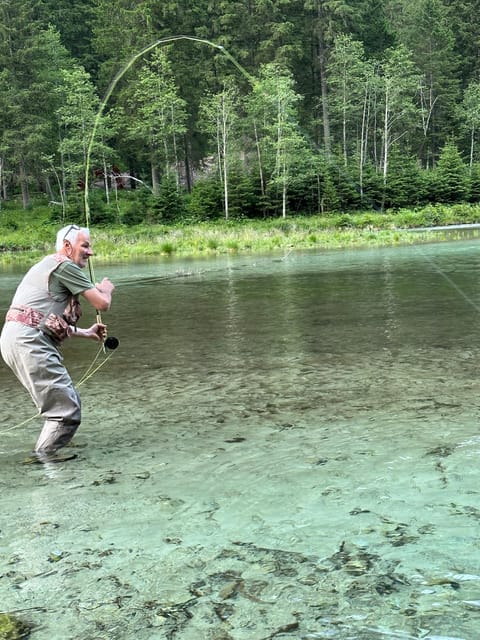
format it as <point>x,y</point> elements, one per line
<point>168,110</point>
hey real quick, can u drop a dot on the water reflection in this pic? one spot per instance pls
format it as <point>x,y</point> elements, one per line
<point>280,447</point>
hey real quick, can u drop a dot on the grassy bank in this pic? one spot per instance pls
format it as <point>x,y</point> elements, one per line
<point>24,236</point>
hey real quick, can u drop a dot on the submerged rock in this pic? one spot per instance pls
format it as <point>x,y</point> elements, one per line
<point>12,628</point>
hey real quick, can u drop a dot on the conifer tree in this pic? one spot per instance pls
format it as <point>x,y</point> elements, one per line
<point>31,56</point>
<point>451,180</point>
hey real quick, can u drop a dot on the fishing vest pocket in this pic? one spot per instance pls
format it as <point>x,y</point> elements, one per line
<point>57,327</point>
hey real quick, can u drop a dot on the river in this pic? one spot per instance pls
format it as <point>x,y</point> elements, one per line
<point>282,446</point>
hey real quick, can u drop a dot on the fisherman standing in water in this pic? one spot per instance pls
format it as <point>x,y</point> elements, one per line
<point>44,312</point>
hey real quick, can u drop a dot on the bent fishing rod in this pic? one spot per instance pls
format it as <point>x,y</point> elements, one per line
<point>111,342</point>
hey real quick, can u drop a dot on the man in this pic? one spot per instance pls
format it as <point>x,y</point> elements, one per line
<point>44,312</point>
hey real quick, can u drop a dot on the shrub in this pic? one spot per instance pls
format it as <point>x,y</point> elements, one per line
<point>168,248</point>
<point>205,201</point>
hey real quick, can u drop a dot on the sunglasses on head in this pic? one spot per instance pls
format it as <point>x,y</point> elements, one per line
<point>70,228</point>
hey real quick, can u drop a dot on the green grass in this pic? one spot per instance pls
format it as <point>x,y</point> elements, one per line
<point>25,235</point>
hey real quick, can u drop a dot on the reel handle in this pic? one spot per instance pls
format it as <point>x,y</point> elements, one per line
<point>111,342</point>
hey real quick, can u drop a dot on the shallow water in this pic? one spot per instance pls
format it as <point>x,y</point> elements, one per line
<point>281,447</point>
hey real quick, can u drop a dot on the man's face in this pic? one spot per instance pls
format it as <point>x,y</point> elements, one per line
<point>81,249</point>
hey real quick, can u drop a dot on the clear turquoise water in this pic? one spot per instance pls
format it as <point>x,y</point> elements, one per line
<point>281,447</point>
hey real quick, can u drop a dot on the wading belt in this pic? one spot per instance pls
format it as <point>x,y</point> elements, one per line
<point>25,315</point>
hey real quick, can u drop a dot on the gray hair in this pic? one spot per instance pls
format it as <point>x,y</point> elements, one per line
<point>70,233</point>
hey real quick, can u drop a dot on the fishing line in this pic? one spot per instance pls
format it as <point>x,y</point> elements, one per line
<point>86,375</point>
<point>90,371</point>
<point>451,282</point>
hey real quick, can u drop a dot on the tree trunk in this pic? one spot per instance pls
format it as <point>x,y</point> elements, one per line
<point>188,176</point>
<point>323,86</point>
<point>24,186</point>
<point>284,189</point>
<point>322,64</point>
<point>225,185</point>
<point>259,158</point>
<point>106,181</point>
<point>363,141</point>
<point>225,161</point>
<point>155,179</point>
<point>2,183</point>
<point>175,151</point>
<point>472,139</point>
<point>48,189</point>
<point>386,143</point>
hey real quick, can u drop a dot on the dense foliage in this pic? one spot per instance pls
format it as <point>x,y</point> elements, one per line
<point>258,108</point>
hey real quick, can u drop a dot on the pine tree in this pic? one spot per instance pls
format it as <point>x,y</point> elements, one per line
<point>31,56</point>
<point>451,178</point>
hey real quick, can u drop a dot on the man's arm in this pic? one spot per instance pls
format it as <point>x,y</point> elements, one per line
<point>100,296</point>
<point>97,331</point>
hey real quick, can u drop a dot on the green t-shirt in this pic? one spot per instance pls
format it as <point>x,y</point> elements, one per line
<point>49,288</point>
<point>68,276</point>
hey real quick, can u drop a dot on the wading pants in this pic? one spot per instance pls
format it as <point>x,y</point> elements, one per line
<point>37,363</point>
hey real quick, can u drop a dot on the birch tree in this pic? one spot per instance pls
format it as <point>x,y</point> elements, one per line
<point>76,117</point>
<point>347,73</point>
<point>155,115</point>
<point>273,108</point>
<point>429,37</point>
<point>399,83</point>
<point>218,118</point>
<point>469,117</point>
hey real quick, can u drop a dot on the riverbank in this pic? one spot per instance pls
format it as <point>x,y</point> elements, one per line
<point>25,238</point>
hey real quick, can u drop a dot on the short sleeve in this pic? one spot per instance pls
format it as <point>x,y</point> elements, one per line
<point>72,277</point>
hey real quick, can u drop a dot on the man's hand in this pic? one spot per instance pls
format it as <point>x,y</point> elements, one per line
<point>97,331</point>
<point>105,286</point>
